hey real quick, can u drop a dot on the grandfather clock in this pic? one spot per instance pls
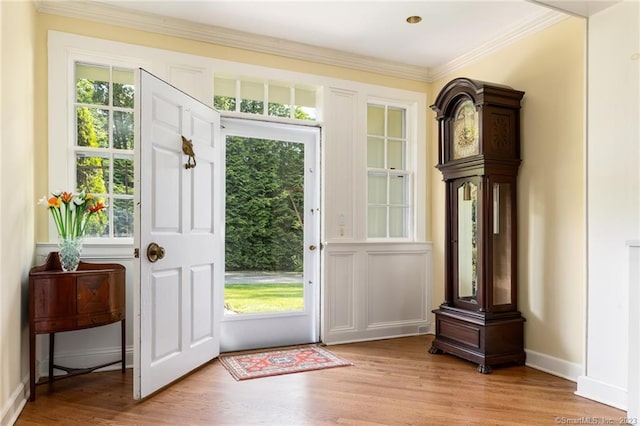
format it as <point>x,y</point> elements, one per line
<point>479,156</point>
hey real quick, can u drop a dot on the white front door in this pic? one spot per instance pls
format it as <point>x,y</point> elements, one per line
<point>284,160</point>
<point>178,304</point>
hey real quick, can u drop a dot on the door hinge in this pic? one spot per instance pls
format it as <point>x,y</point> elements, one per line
<point>136,253</point>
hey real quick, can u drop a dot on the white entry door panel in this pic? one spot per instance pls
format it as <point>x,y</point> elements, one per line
<point>177,311</point>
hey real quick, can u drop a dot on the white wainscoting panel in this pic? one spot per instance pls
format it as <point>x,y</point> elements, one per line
<point>396,293</point>
<point>342,298</point>
<point>376,291</point>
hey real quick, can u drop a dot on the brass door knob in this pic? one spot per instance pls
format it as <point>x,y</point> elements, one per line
<point>155,252</point>
<point>312,247</point>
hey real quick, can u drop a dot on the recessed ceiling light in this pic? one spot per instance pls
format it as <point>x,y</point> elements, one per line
<point>414,19</point>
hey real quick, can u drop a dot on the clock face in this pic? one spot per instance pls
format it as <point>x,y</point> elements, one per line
<point>465,130</point>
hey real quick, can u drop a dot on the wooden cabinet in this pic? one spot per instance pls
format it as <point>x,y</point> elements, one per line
<point>479,157</point>
<point>92,296</point>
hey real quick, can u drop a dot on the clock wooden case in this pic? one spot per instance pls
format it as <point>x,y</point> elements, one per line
<point>479,157</point>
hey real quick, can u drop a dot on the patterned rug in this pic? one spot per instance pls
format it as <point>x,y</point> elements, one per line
<point>272,363</point>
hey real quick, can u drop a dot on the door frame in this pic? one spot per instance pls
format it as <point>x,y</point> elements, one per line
<point>233,326</point>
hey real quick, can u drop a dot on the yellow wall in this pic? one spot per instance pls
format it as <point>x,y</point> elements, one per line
<point>550,67</point>
<point>17,39</point>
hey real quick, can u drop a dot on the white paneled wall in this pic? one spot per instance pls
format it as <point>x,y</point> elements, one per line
<point>375,291</point>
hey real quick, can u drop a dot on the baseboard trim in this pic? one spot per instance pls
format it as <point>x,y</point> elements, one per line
<point>552,365</point>
<point>602,392</point>
<point>15,404</point>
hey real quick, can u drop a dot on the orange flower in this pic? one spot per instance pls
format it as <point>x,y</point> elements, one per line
<point>54,202</point>
<point>97,207</point>
<point>66,197</point>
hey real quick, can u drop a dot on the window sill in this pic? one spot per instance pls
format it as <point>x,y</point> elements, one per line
<point>93,250</point>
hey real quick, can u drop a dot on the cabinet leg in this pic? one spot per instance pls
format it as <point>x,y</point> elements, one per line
<point>32,366</point>
<point>52,340</point>
<point>123,345</point>
<point>484,369</point>
<point>435,351</point>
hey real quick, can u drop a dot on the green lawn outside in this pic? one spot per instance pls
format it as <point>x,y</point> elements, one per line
<point>258,298</point>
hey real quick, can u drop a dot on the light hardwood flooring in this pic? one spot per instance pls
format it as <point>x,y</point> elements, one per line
<point>392,382</point>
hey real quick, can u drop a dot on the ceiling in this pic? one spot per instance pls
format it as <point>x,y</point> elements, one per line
<point>450,31</point>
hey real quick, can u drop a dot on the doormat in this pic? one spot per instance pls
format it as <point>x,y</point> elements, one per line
<point>272,363</point>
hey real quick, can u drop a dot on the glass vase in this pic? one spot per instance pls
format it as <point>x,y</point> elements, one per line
<point>69,254</point>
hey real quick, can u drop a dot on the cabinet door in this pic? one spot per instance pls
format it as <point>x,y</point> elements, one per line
<point>54,303</point>
<point>54,297</point>
<point>93,293</point>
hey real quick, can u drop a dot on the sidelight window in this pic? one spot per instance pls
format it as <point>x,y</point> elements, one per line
<point>388,176</point>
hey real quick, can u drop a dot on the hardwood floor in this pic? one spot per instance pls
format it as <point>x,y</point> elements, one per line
<point>392,382</point>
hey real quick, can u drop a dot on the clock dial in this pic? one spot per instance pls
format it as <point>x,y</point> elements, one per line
<point>465,130</point>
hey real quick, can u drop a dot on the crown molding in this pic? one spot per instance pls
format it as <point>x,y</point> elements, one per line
<point>113,15</point>
<point>516,32</point>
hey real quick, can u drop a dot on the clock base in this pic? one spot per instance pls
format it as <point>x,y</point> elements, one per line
<point>482,339</point>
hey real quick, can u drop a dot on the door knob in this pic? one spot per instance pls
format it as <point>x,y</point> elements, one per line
<point>312,247</point>
<point>155,252</point>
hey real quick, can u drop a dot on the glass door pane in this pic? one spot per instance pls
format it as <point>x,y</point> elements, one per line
<point>264,226</point>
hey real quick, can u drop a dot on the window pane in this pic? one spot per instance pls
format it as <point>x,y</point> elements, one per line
<point>395,154</point>
<point>395,123</point>
<point>224,86</point>
<point>92,127</point>
<point>375,120</point>
<point>377,187</point>
<point>92,84</point>
<point>305,113</point>
<point>123,217</point>
<point>375,153</point>
<point>123,88</point>
<point>252,94</point>
<point>252,107</point>
<point>306,96</point>
<point>279,94</point>
<point>223,103</point>
<point>252,90</point>
<point>92,173</point>
<point>377,222</point>
<point>279,101</point>
<point>279,110</point>
<point>123,175</point>
<point>123,130</point>
<point>397,189</point>
<point>397,221</point>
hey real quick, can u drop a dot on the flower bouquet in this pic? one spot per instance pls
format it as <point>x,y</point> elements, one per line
<point>71,213</point>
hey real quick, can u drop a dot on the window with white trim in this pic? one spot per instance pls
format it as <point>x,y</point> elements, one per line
<point>104,143</point>
<point>254,95</point>
<point>388,174</point>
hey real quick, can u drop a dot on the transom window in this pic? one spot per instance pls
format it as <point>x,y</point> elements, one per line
<point>388,177</point>
<point>104,143</point>
<point>264,97</point>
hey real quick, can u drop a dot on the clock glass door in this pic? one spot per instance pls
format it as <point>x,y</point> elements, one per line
<point>502,250</point>
<point>467,242</point>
